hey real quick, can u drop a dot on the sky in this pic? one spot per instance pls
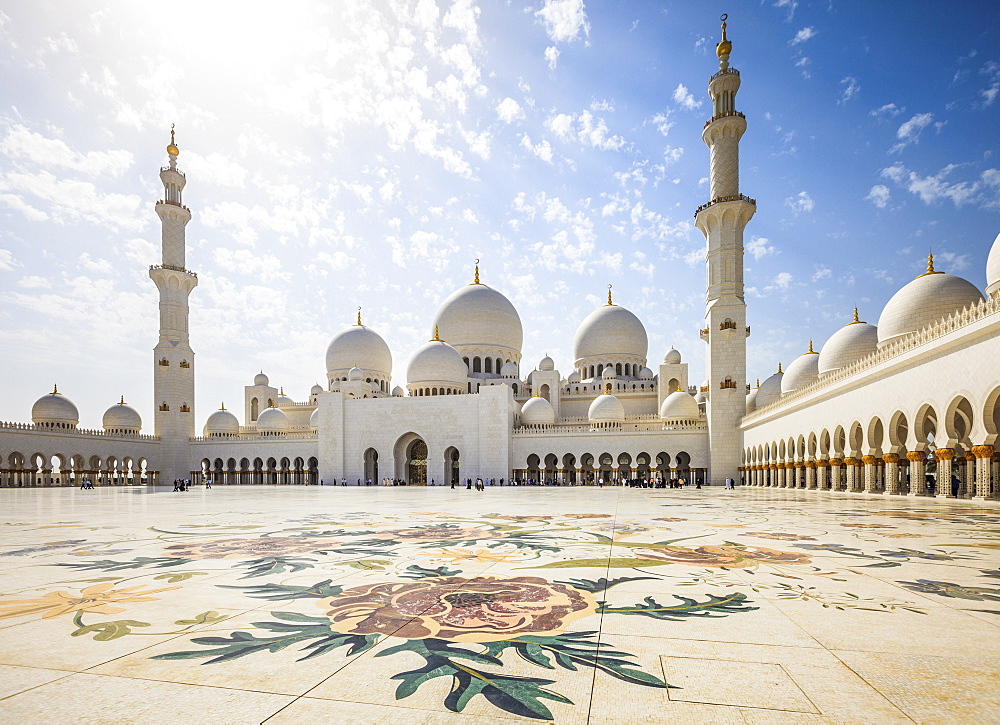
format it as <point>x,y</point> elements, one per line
<point>367,153</point>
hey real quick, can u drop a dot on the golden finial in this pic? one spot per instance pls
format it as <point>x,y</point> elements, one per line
<point>122,401</point>
<point>476,280</point>
<point>779,370</point>
<point>758,382</point>
<point>437,335</point>
<point>609,296</point>
<point>724,47</point>
<point>811,351</point>
<point>55,390</point>
<point>359,317</point>
<point>172,148</point>
<point>223,406</point>
<point>538,393</point>
<point>282,390</point>
<point>930,266</point>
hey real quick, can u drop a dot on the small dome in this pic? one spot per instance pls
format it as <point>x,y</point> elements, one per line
<point>699,397</point>
<point>221,423</point>
<point>770,390</point>
<point>355,374</point>
<point>479,316</point>
<point>752,401</point>
<point>672,357</point>
<point>55,409</point>
<point>316,389</point>
<point>508,370</point>
<point>803,372</point>
<point>925,300</point>
<point>283,400</point>
<point>574,377</point>
<point>122,417</point>
<point>398,392</point>
<point>606,409</point>
<point>358,346</point>
<point>608,374</point>
<point>437,363</point>
<point>314,420</point>
<point>679,405</point>
<point>847,345</point>
<point>993,268</point>
<point>537,411</point>
<point>610,332</point>
<point>272,420</point>
<point>546,363</point>
<point>260,379</point>
<point>645,374</point>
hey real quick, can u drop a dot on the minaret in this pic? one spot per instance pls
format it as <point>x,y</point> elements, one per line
<point>722,221</point>
<point>173,359</point>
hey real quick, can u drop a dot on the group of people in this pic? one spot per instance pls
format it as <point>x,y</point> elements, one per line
<point>87,484</point>
<point>184,484</point>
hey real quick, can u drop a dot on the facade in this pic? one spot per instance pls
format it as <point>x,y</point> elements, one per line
<point>877,410</point>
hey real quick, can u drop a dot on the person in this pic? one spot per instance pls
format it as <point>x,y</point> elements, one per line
<point>432,481</point>
<point>83,484</point>
<point>343,482</point>
<point>208,483</point>
<point>955,484</point>
<point>468,484</point>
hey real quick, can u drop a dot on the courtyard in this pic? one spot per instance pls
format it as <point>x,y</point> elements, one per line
<point>425,604</point>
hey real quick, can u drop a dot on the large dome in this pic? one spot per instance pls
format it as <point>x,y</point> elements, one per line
<point>222,423</point>
<point>478,316</point>
<point>272,420</point>
<point>55,409</point>
<point>926,299</point>
<point>358,346</point>
<point>606,409</point>
<point>803,372</point>
<point>770,390</point>
<point>610,332</point>
<point>437,363</point>
<point>751,404</point>
<point>993,268</point>
<point>538,411</point>
<point>847,345</point>
<point>679,405</point>
<point>123,417</point>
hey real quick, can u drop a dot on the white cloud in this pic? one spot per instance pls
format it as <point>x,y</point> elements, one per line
<point>543,149</point>
<point>879,196</point>
<point>552,56</point>
<point>851,89</point>
<point>564,20</point>
<point>822,273</point>
<point>34,282</point>
<point>909,131</point>
<point>663,122</point>
<point>983,191</point>
<point>684,99</point>
<point>887,111</point>
<point>801,202</point>
<point>7,262</point>
<point>782,280</point>
<point>23,144</point>
<point>792,5</point>
<point>803,35</point>
<point>760,247</point>
<point>588,129</point>
<point>991,70</point>
<point>509,110</point>
<point>71,200</point>
<point>214,169</point>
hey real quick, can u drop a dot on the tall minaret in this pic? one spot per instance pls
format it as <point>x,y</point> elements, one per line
<point>722,221</point>
<point>173,364</point>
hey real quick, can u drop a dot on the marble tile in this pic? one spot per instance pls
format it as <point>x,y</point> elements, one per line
<point>15,679</point>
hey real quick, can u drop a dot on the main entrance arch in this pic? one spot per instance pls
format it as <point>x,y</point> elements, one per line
<point>410,453</point>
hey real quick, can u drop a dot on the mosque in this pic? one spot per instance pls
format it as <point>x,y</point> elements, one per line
<point>892,408</point>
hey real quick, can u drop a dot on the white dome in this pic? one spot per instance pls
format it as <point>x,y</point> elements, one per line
<point>355,374</point>
<point>699,397</point>
<point>679,405</point>
<point>398,392</point>
<point>847,345</point>
<point>923,301</point>
<point>610,332</point>
<point>574,377</point>
<point>316,389</point>
<point>752,401</point>
<point>260,379</point>
<point>993,268</point>
<point>608,374</point>
<point>645,374</point>
<point>122,417</point>
<point>672,357</point>
<point>537,411</point>
<point>478,316</point>
<point>55,408</point>
<point>437,362</point>
<point>272,420</point>
<point>283,400</point>
<point>314,419</point>
<point>358,346</point>
<point>508,370</point>
<point>803,372</point>
<point>606,409</point>
<point>770,390</point>
<point>221,423</point>
<point>546,363</point>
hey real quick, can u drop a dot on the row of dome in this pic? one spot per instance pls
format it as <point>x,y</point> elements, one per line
<point>922,302</point>
<point>606,408</point>
<point>55,410</point>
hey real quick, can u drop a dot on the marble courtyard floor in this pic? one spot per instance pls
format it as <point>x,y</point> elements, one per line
<point>427,605</point>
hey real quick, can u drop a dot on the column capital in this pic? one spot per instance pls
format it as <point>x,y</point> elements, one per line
<point>982,451</point>
<point>944,454</point>
<point>916,456</point>
<point>869,460</point>
<point>836,462</point>
<point>890,457</point>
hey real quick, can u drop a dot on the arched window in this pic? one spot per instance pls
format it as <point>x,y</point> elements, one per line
<point>477,365</point>
<point>514,386</point>
<point>600,370</point>
<point>489,365</point>
<point>254,409</point>
<point>498,366</point>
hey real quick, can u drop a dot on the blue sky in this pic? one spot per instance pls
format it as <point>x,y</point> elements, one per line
<point>346,154</point>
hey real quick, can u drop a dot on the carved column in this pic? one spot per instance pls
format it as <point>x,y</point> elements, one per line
<point>771,469</point>
<point>852,469</point>
<point>836,464</point>
<point>984,456</point>
<point>944,473</point>
<point>891,473</point>
<point>918,484</point>
<point>810,475</point>
<point>869,473</point>
<point>822,474</point>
